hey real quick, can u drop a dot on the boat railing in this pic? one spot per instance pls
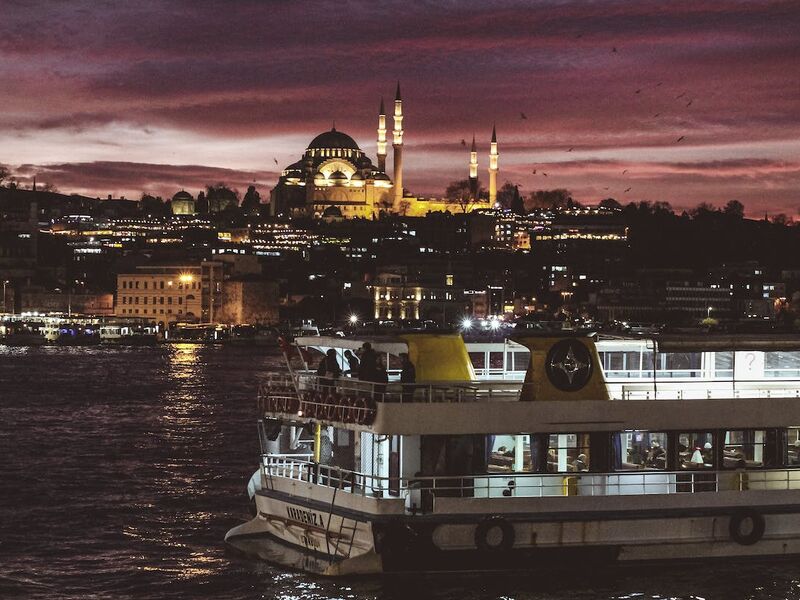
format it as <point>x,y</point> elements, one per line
<point>287,386</point>
<point>420,491</point>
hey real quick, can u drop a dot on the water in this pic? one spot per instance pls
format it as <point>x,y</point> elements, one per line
<point>121,469</point>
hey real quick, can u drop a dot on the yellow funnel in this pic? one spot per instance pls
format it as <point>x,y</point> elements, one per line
<point>439,356</point>
<point>563,368</point>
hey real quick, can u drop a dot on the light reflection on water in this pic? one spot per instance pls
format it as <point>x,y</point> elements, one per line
<point>121,469</point>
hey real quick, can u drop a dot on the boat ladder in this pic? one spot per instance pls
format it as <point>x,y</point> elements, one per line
<point>347,527</point>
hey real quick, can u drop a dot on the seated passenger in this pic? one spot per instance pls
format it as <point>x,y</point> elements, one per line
<point>697,458</point>
<point>656,457</point>
<point>580,463</point>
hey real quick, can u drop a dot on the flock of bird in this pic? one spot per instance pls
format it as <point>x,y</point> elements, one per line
<point>683,95</point>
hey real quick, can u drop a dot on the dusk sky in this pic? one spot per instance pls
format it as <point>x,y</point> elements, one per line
<point>125,97</point>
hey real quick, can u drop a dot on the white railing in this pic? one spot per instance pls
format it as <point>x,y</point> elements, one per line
<point>531,485</point>
<point>284,385</point>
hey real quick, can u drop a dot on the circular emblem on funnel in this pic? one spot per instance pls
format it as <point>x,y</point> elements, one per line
<point>568,365</point>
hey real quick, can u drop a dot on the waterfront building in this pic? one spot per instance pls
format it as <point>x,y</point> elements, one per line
<point>183,204</point>
<point>169,294</point>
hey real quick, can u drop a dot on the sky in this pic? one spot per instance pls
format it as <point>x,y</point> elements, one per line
<point>681,101</point>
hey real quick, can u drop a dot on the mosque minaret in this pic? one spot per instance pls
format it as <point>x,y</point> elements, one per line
<point>382,138</point>
<point>493,156</point>
<point>473,169</point>
<point>397,147</point>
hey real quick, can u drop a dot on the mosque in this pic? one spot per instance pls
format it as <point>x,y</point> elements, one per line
<point>335,179</point>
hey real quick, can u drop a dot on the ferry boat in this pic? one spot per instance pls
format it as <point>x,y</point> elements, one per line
<point>528,454</point>
<point>129,334</point>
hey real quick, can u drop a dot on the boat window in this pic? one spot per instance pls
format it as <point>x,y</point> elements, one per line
<point>517,361</point>
<point>509,453</point>
<point>744,449</point>
<point>478,359</point>
<point>793,446</point>
<point>679,364</point>
<point>496,360</point>
<point>696,450</point>
<point>641,450</point>
<point>568,453</point>
<point>782,364</point>
<point>723,364</point>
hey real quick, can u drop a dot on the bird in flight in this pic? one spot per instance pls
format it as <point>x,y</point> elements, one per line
<point>571,149</point>
<point>614,49</point>
<point>543,173</point>
<point>656,115</point>
<point>680,139</point>
<point>689,103</point>
<point>625,171</point>
<point>679,96</point>
<point>522,115</point>
<point>628,190</point>
<point>639,91</point>
<point>276,160</point>
<point>605,188</point>
<point>659,84</point>
<point>534,171</point>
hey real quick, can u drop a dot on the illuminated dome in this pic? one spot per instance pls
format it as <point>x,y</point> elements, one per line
<point>334,139</point>
<point>182,195</point>
<point>337,176</point>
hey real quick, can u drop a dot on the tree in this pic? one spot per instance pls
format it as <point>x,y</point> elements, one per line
<point>4,174</point>
<point>550,199</point>
<point>517,203</point>
<point>506,194</point>
<point>734,209</point>
<point>610,203</point>
<point>782,219</point>
<point>150,205</point>
<point>703,211</point>
<point>221,197</point>
<point>201,205</point>
<point>49,187</point>
<point>460,193</point>
<point>251,201</point>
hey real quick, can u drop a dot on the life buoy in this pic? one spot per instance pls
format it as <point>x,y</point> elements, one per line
<point>494,534</point>
<point>746,527</point>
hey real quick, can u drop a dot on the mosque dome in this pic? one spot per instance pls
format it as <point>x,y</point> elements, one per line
<point>337,176</point>
<point>356,176</point>
<point>380,176</point>
<point>334,139</point>
<point>332,211</point>
<point>182,195</point>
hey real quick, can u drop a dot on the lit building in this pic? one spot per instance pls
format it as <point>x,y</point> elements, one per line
<point>169,294</point>
<point>332,173</point>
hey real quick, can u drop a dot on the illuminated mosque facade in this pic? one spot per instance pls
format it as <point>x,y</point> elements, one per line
<point>335,179</point>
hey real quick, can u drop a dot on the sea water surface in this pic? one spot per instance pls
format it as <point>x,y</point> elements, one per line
<point>122,468</point>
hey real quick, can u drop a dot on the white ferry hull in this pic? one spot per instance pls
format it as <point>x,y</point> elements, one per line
<point>296,534</point>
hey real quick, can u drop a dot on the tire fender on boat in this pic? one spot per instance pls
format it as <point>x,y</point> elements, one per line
<point>740,532</point>
<point>482,532</point>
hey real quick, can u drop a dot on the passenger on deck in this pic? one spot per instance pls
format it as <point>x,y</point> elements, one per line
<point>697,458</point>
<point>352,363</point>
<point>381,379</point>
<point>408,376</point>
<point>368,368</point>
<point>329,370</point>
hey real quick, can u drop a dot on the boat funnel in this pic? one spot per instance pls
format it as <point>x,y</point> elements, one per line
<point>563,367</point>
<point>439,356</point>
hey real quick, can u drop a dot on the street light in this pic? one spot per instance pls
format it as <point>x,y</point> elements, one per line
<point>353,319</point>
<point>708,314</point>
<point>466,323</point>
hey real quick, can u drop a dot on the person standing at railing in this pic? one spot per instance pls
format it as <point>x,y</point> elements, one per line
<point>328,371</point>
<point>408,376</point>
<point>368,368</point>
<point>352,364</point>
